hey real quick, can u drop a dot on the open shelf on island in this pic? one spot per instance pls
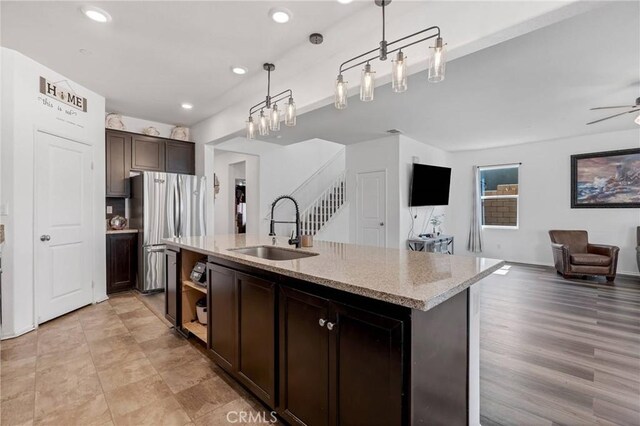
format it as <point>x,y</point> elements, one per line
<point>191,293</point>
<point>194,286</point>
<point>197,329</point>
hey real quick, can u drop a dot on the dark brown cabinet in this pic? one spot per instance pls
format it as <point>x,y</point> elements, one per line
<point>130,151</point>
<point>304,358</point>
<point>338,361</point>
<point>242,328</point>
<point>147,153</point>
<point>256,335</point>
<point>172,287</point>
<point>118,156</point>
<point>366,364</point>
<point>121,261</point>
<point>223,315</point>
<point>180,157</point>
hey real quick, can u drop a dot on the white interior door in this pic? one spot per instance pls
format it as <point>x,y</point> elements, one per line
<point>63,231</point>
<point>371,206</point>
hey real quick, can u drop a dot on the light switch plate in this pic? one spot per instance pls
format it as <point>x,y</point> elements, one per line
<point>109,210</point>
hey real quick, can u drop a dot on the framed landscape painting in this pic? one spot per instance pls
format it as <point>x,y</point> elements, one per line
<point>608,179</point>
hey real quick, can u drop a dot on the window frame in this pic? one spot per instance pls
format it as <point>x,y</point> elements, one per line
<point>500,197</point>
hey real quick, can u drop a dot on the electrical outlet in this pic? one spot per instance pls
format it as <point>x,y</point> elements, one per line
<point>109,210</point>
<point>4,210</point>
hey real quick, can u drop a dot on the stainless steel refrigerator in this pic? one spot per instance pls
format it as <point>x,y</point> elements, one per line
<point>163,205</point>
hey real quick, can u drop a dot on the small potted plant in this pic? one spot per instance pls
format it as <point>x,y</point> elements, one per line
<point>436,221</point>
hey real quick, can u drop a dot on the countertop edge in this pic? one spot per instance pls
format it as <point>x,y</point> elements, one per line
<point>422,305</point>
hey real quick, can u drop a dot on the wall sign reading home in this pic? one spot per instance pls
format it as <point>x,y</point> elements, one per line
<point>62,91</point>
<point>606,179</point>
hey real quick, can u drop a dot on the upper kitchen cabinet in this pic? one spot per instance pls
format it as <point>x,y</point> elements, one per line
<point>180,157</point>
<point>147,153</point>
<point>118,155</point>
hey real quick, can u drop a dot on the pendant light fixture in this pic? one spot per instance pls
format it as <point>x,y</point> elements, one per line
<point>269,117</point>
<point>437,62</point>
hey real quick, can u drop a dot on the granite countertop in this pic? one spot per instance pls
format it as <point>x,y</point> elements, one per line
<point>122,231</point>
<point>412,279</point>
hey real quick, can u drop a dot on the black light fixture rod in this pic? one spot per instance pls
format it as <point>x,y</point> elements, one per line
<point>411,44</point>
<point>435,27</point>
<point>383,21</point>
<point>356,57</point>
<point>275,98</point>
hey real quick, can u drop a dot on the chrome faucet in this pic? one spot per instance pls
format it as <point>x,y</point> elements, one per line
<point>293,240</point>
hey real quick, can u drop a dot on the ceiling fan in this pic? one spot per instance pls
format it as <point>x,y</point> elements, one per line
<point>634,108</point>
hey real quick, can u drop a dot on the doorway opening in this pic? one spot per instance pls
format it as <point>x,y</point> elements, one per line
<point>240,206</point>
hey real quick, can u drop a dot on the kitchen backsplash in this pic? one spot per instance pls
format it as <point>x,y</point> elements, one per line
<point>117,206</point>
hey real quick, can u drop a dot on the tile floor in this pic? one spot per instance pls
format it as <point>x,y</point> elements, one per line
<point>114,363</point>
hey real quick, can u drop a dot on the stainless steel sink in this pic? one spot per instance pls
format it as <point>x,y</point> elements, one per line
<point>273,253</point>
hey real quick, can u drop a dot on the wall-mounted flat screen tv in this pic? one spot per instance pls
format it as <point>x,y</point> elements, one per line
<point>430,185</point>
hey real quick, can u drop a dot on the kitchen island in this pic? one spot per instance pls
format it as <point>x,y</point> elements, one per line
<point>345,334</point>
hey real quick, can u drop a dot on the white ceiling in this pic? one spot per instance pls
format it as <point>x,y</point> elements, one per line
<point>155,55</point>
<point>535,87</point>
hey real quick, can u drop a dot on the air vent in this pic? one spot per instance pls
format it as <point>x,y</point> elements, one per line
<point>394,131</point>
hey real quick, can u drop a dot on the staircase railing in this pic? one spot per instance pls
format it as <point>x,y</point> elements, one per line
<point>314,186</point>
<point>324,207</point>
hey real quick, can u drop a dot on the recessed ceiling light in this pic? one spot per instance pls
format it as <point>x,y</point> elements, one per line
<point>186,105</point>
<point>95,14</point>
<point>345,1</point>
<point>239,70</point>
<point>280,15</point>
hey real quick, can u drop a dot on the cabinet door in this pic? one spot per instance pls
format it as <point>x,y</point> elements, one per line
<point>366,368</point>
<point>118,158</point>
<point>172,287</point>
<point>256,336</point>
<point>180,157</point>
<point>121,262</point>
<point>304,358</point>
<point>147,154</point>
<point>222,319</point>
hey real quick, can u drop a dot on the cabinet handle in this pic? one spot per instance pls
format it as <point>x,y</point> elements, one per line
<point>330,326</point>
<point>322,322</point>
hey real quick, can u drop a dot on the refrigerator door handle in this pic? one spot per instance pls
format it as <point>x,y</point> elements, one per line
<point>155,249</point>
<point>178,207</point>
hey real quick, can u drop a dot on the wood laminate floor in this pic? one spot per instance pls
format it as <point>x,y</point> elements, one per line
<point>555,351</point>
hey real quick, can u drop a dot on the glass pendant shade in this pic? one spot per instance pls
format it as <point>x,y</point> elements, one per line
<point>340,101</point>
<point>251,128</point>
<point>274,119</point>
<point>399,73</point>
<point>367,83</point>
<point>263,124</point>
<point>437,62</point>
<point>290,114</point>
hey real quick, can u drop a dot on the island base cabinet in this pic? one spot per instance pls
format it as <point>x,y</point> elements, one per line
<point>304,358</point>
<point>242,328</point>
<point>339,365</point>
<point>223,313</point>
<point>256,336</point>
<point>366,362</point>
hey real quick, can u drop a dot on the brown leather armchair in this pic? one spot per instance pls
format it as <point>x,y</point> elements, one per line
<point>575,257</point>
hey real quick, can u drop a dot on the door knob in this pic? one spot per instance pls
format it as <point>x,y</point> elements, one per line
<point>381,223</point>
<point>322,322</point>
<point>330,326</point>
<point>45,237</point>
